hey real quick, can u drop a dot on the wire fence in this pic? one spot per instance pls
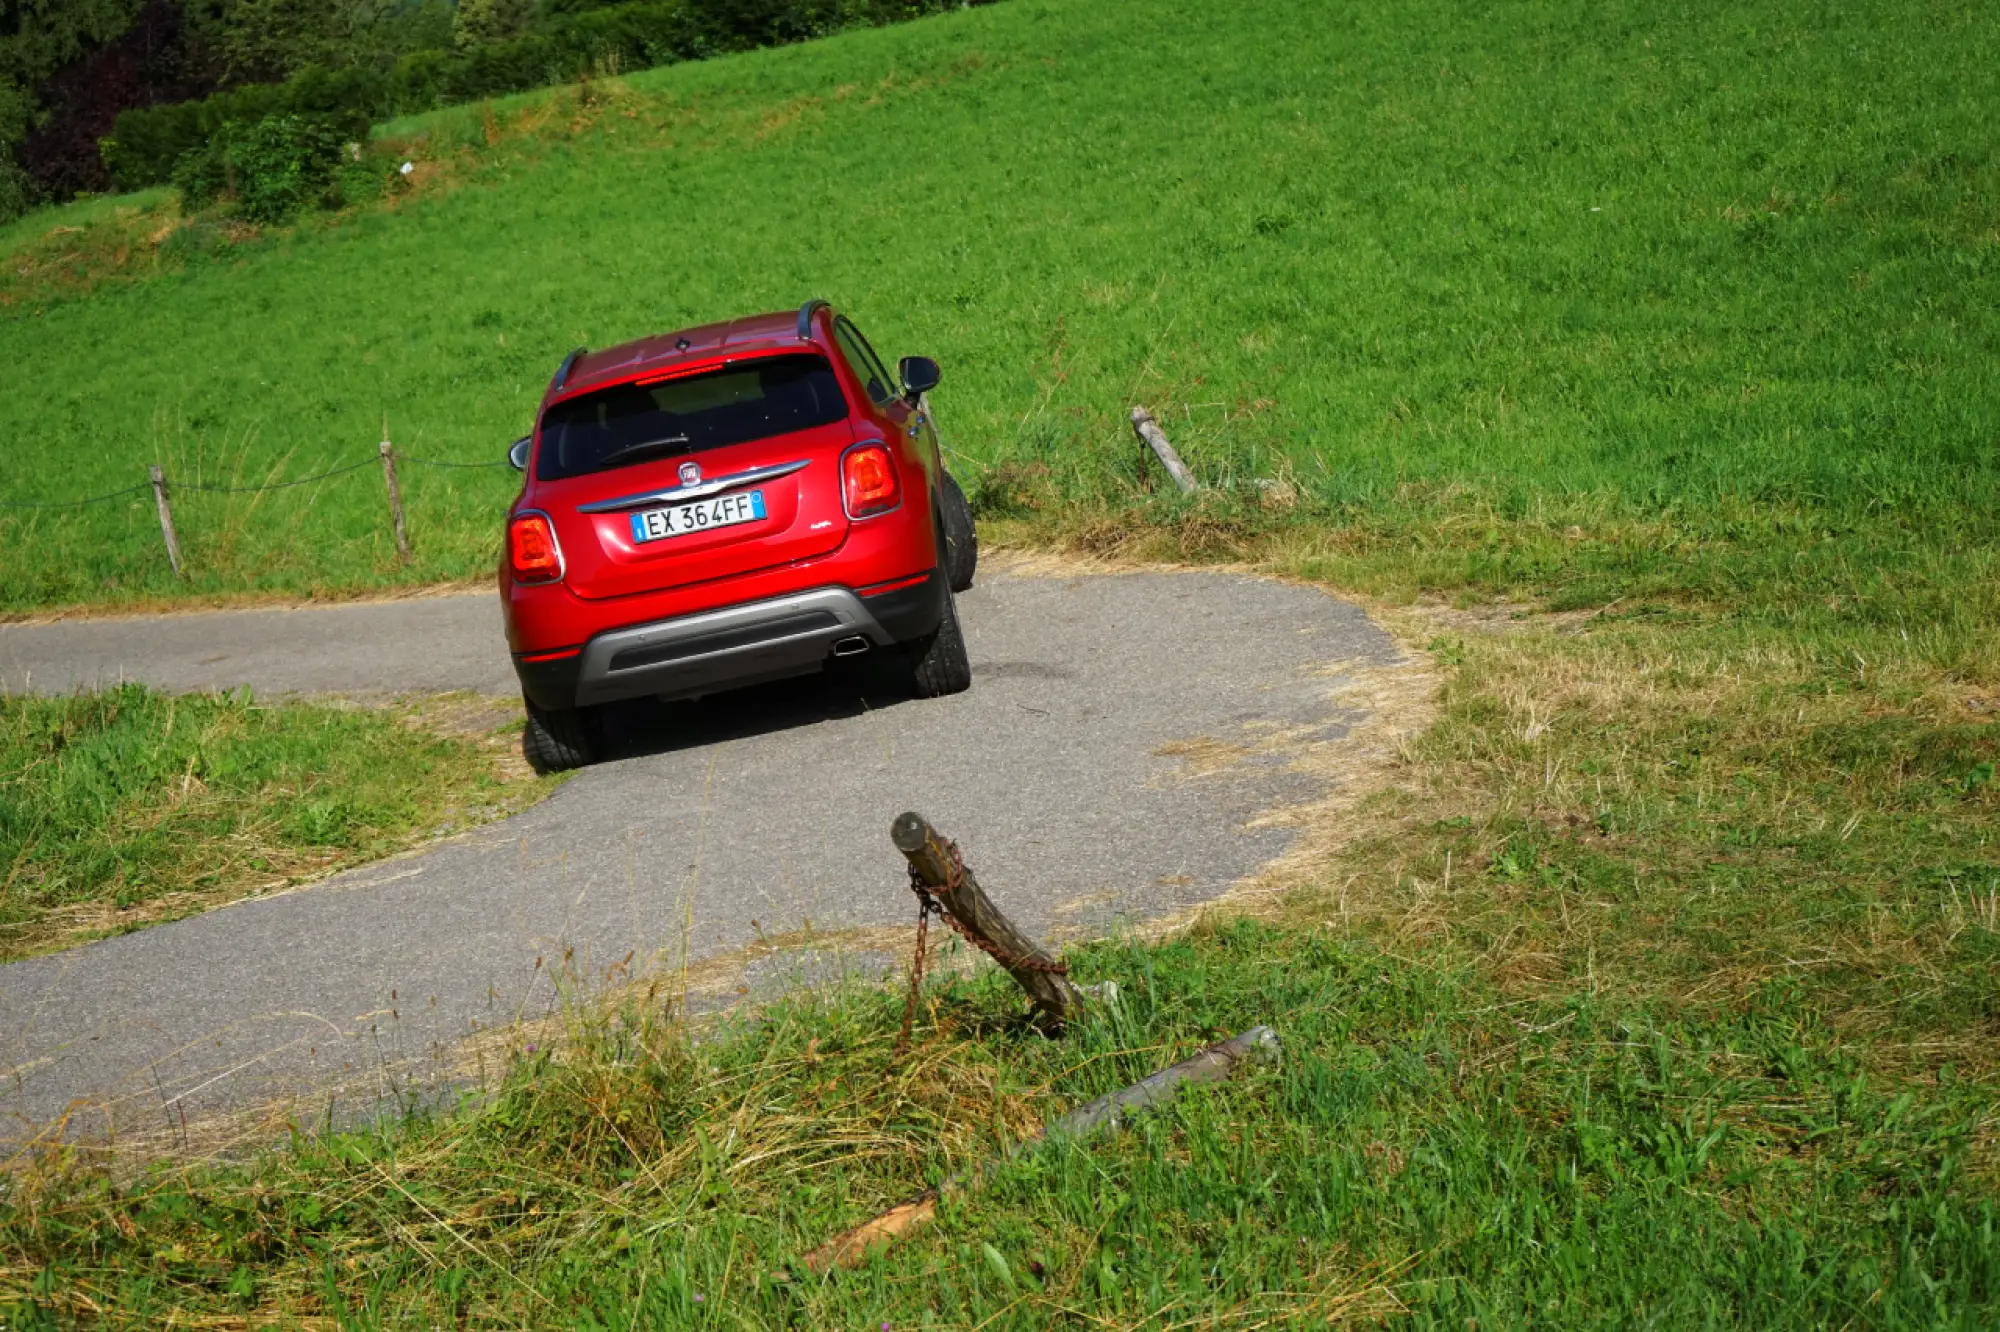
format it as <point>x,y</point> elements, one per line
<point>274,485</point>
<point>73,504</point>
<point>163,489</point>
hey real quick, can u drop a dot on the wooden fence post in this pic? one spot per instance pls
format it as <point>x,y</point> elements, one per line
<point>937,864</point>
<point>1150,433</point>
<point>167,520</point>
<point>395,501</point>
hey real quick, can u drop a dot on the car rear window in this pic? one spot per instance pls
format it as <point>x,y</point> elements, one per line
<point>633,423</point>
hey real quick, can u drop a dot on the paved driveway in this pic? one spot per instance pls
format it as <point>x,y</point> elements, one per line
<point>1079,775</point>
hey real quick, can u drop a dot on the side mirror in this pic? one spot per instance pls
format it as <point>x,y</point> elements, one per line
<point>920,375</point>
<point>517,452</point>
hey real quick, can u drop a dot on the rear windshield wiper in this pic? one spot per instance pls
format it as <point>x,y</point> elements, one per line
<point>634,450</point>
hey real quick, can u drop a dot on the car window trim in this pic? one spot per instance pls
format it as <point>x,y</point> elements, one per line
<point>874,365</point>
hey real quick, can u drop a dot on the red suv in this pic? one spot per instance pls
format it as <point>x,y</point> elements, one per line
<point>724,505</point>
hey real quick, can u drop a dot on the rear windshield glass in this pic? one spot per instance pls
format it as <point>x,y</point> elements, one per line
<point>632,423</point>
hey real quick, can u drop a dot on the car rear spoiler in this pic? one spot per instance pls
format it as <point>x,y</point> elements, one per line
<point>562,371</point>
<point>806,313</point>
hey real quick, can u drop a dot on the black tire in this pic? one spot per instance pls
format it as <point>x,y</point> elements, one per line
<point>939,664</point>
<point>557,739</point>
<point>961,538</point>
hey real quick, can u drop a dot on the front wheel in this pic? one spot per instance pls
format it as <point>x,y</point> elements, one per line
<point>961,538</point>
<point>939,664</point>
<point>557,739</point>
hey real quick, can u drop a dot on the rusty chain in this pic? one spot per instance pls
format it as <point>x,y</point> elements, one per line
<point>924,909</point>
<point>928,905</point>
<point>955,880</point>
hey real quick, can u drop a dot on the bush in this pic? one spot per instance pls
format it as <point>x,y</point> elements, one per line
<point>17,191</point>
<point>272,168</point>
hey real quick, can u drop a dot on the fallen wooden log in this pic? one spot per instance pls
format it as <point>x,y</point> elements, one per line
<point>1214,1064</point>
<point>1149,433</point>
<point>935,865</point>
<point>1211,1065</point>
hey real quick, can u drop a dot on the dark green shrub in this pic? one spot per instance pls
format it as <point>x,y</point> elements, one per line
<point>273,167</point>
<point>201,175</point>
<point>419,79</point>
<point>17,190</point>
<point>281,165</point>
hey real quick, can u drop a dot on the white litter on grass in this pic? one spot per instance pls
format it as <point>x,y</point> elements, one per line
<point>407,168</point>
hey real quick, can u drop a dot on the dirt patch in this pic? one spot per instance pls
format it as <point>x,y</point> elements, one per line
<point>1204,754</point>
<point>1391,705</point>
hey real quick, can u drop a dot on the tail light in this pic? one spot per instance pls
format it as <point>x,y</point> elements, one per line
<point>868,481</point>
<point>532,553</point>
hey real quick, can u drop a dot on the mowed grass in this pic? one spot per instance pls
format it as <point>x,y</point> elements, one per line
<point>127,807</point>
<point>1720,278</point>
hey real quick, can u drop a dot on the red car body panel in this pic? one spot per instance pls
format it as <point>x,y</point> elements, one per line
<point>550,617</point>
<point>805,540</point>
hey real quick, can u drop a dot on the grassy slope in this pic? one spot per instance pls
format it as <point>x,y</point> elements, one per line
<point>1716,269</point>
<point>124,808</point>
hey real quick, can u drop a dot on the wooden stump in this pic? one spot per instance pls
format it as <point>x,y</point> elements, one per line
<point>936,863</point>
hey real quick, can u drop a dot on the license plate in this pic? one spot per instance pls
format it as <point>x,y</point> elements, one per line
<point>682,519</point>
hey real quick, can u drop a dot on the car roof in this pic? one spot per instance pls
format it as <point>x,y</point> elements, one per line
<point>764,332</point>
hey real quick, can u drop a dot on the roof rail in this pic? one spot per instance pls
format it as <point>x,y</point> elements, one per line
<point>562,371</point>
<point>806,313</point>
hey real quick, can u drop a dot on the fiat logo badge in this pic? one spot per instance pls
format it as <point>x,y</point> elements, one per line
<point>690,473</point>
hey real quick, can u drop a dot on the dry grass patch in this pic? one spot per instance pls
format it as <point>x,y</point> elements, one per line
<point>1690,817</point>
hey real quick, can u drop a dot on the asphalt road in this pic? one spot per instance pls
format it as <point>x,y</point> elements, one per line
<point>719,823</point>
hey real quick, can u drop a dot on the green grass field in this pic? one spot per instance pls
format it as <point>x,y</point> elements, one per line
<point>1638,362</point>
<point>1723,271</point>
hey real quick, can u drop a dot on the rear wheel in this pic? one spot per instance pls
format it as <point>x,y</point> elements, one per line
<point>961,538</point>
<point>557,739</point>
<point>939,664</point>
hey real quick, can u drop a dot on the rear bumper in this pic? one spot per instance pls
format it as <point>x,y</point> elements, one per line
<point>713,650</point>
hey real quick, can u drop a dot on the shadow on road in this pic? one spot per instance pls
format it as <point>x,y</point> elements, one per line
<point>642,727</point>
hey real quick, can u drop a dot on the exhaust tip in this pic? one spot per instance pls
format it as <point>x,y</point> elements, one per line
<point>851,646</point>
